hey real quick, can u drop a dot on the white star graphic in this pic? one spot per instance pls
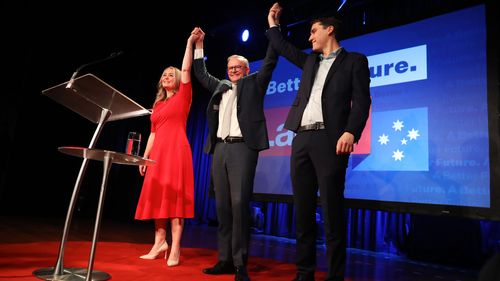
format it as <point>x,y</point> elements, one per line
<point>404,141</point>
<point>398,125</point>
<point>383,139</point>
<point>397,155</point>
<point>413,134</point>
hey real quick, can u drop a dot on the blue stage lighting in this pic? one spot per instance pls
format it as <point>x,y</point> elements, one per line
<point>341,5</point>
<point>245,35</point>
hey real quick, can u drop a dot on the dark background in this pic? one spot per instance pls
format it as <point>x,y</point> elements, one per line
<point>43,43</point>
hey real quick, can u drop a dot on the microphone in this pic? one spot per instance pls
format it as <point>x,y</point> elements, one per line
<point>73,77</point>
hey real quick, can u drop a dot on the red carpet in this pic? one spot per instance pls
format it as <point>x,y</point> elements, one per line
<point>121,261</point>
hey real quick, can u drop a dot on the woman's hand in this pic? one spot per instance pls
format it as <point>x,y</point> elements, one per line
<point>142,169</point>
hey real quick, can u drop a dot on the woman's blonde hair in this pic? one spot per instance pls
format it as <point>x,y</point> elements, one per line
<point>161,94</point>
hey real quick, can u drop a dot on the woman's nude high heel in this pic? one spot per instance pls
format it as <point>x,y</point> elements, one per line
<point>154,254</point>
<point>173,261</point>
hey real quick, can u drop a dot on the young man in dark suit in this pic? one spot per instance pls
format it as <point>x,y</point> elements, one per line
<point>237,132</point>
<point>328,115</point>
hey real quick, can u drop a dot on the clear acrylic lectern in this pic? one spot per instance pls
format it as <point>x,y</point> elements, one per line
<point>98,102</point>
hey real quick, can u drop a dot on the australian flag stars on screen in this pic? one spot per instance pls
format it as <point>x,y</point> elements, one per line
<point>399,141</point>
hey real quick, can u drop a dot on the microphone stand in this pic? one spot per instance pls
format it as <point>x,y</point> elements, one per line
<point>73,77</point>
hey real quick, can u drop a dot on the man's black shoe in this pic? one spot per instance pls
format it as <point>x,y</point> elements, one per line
<point>221,267</point>
<point>241,274</point>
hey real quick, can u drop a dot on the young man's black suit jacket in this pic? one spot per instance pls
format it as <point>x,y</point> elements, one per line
<point>339,115</point>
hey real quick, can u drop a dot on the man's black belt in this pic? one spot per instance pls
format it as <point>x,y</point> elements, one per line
<point>231,139</point>
<point>312,127</point>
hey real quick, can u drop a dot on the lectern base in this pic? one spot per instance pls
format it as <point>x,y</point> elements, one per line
<point>70,274</point>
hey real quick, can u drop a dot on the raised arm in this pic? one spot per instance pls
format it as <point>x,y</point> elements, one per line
<point>279,43</point>
<point>200,36</point>
<point>208,81</point>
<point>273,18</point>
<point>188,59</point>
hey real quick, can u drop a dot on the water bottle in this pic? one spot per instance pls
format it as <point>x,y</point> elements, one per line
<point>133,143</point>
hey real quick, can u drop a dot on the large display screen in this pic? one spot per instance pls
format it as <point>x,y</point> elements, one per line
<point>427,138</point>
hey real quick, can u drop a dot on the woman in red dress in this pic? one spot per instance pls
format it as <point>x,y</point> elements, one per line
<point>168,189</point>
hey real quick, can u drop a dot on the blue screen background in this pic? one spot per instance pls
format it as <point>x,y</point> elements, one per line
<point>444,117</point>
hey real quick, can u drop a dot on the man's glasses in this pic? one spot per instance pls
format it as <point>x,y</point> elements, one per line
<point>235,67</point>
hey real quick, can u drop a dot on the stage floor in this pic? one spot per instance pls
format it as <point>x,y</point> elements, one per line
<point>361,265</point>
